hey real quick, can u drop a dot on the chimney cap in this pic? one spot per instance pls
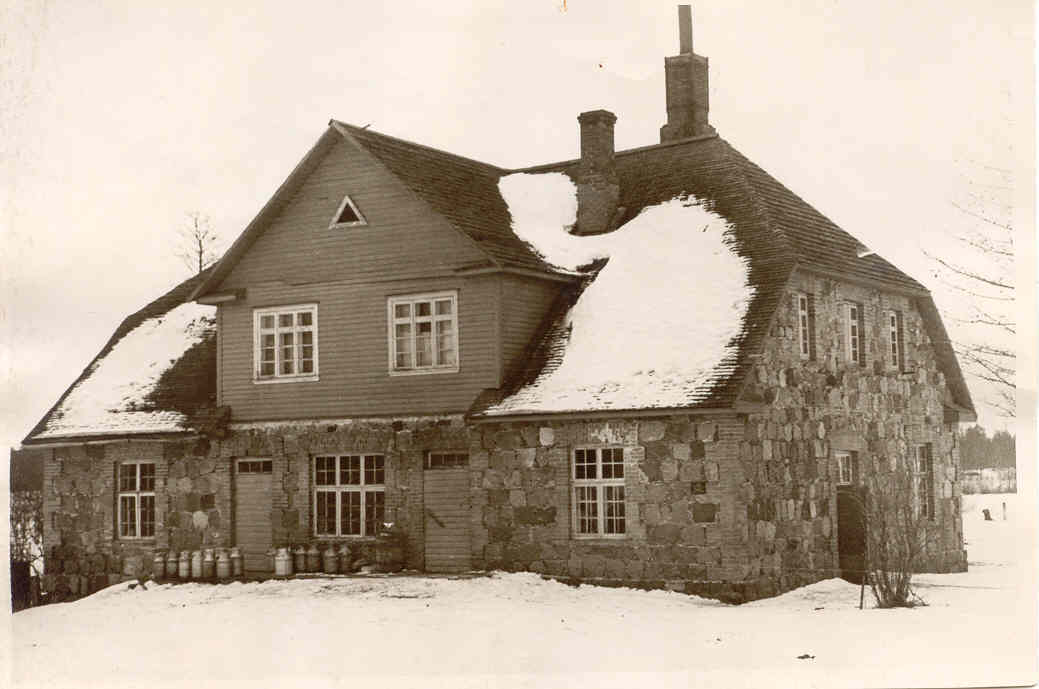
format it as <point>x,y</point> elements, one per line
<point>596,116</point>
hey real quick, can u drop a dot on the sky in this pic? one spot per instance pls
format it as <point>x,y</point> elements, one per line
<point>120,118</point>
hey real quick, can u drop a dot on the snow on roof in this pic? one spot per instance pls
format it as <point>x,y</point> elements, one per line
<point>112,397</point>
<point>657,320</point>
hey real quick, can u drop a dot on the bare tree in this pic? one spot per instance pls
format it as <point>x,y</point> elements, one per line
<point>983,273</point>
<point>197,247</point>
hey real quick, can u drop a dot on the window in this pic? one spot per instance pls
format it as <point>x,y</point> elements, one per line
<point>924,481</point>
<point>446,460</point>
<point>346,215</point>
<point>598,492</point>
<point>896,340</point>
<point>136,500</point>
<point>847,468</point>
<point>424,333</point>
<point>856,342</point>
<point>806,326</point>
<point>286,343</point>
<point>255,466</point>
<point>349,495</point>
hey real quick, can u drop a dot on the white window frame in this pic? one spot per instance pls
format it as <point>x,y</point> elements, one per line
<point>895,339</point>
<point>853,331</point>
<point>347,201</point>
<point>338,489</point>
<point>277,331</point>
<point>844,462</point>
<point>393,321</point>
<point>923,473</point>
<point>804,330</point>
<point>599,486</point>
<point>136,494</point>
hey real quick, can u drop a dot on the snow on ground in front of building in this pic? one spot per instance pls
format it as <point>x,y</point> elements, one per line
<point>653,326</point>
<point>121,381</point>
<point>519,630</point>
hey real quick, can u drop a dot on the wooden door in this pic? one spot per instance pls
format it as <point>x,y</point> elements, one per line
<point>252,514</point>
<point>446,498</point>
<point>851,533</point>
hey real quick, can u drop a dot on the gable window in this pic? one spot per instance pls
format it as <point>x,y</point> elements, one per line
<point>285,343</point>
<point>598,492</point>
<point>136,500</point>
<point>855,334</point>
<point>347,215</point>
<point>423,335</point>
<point>806,326</point>
<point>847,468</point>
<point>896,340</point>
<point>924,481</point>
<point>349,495</point>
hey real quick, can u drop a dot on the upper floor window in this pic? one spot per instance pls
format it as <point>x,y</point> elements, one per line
<point>896,340</point>
<point>137,500</point>
<point>806,326</point>
<point>598,492</point>
<point>346,215</point>
<point>285,343</point>
<point>423,333</point>
<point>856,342</point>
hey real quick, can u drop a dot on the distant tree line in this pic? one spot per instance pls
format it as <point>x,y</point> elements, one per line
<point>978,450</point>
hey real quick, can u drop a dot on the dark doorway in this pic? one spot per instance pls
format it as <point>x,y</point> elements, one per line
<point>851,533</point>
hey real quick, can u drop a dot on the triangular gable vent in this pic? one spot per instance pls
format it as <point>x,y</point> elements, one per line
<point>347,215</point>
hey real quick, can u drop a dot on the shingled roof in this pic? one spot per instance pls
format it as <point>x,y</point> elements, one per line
<point>774,230</point>
<point>156,370</point>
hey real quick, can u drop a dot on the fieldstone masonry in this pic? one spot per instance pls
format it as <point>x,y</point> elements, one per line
<point>733,506</point>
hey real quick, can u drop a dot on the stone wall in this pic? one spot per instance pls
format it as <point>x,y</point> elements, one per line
<point>817,406</point>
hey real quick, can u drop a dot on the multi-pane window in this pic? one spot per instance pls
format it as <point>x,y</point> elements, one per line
<point>446,460</point>
<point>855,341</point>
<point>424,333</point>
<point>847,468</point>
<point>137,500</point>
<point>805,334</point>
<point>895,340</point>
<point>286,342</point>
<point>598,492</point>
<point>349,495</point>
<point>924,481</point>
<point>255,466</point>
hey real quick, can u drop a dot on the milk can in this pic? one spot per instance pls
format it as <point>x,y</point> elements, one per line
<point>223,564</point>
<point>208,564</point>
<point>313,558</point>
<point>329,560</point>
<point>171,564</point>
<point>159,564</point>
<point>299,556</point>
<point>283,562</point>
<point>236,562</point>
<point>196,564</point>
<point>345,559</point>
<point>184,565</point>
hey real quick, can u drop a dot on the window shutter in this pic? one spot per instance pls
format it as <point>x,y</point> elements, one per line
<point>115,501</point>
<point>811,327</point>
<point>862,338</point>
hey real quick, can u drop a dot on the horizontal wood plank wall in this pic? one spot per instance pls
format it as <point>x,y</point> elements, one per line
<point>525,301</point>
<point>403,238</point>
<point>353,354</point>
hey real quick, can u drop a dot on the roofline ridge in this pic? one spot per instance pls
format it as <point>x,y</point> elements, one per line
<point>339,123</point>
<point>623,152</point>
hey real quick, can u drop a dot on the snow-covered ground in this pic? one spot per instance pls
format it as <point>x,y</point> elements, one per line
<point>518,630</point>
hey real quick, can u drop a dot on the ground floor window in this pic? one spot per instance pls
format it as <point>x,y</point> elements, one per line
<point>924,481</point>
<point>349,495</point>
<point>136,513</point>
<point>847,468</point>
<point>598,492</point>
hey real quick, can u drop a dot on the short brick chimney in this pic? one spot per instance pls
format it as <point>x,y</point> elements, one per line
<point>686,77</point>
<point>598,188</point>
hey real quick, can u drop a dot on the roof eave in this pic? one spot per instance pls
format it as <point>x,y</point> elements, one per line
<point>514,417</point>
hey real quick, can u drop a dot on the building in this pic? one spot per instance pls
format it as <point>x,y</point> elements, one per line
<point>654,367</point>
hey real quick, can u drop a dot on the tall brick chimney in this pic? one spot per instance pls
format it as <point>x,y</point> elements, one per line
<point>598,188</point>
<point>686,77</point>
